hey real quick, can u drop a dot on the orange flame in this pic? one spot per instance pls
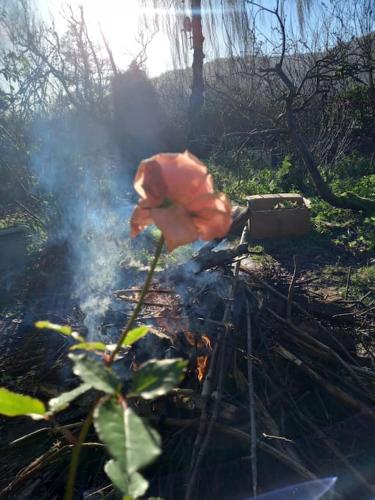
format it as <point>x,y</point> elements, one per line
<point>202,361</point>
<point>200,342</point>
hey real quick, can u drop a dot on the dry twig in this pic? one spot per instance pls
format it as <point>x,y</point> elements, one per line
<point>291,291</point>
<point>253,431</point>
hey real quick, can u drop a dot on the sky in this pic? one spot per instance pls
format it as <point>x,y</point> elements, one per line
<point>119,21</point>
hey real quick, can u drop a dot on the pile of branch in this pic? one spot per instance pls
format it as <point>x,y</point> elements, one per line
<point>280,388</point>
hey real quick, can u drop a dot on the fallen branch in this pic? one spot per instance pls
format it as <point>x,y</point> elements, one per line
<point>332,389</point>
<point>300,308</point>
<point>331,446</point>
<point>312,340</point>
<point>219,258</point>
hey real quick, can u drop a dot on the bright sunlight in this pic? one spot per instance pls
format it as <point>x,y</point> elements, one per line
<point>120,22</point>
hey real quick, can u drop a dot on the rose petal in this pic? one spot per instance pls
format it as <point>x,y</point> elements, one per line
<point>211,215</point>
<point>149,182</point>
<point>176,225</point>
<point>140,219</point>
<point>194,158</point>
<point>184,176</point>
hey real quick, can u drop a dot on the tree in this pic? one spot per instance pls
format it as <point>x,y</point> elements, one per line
<point>183,25</point>
<point>226,26</point>
<point>294,83</point>
<point>197,88</point>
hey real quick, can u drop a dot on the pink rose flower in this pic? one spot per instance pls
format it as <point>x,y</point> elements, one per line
<point>177,195</point>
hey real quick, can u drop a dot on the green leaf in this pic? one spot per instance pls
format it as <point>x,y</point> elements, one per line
<point>95,374</point>
<point>76,336</point>
<point>115,474</point>
<point>137,485</point>
<point>61,402</point>
<point>130,441</point>
<point>63,329</point>
<point>13,404</point>
<point>135,334</point>
<point>133,486</point>
<point>157,377</point>
<point>89,346</point>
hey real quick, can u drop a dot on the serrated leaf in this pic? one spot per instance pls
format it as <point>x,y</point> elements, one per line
<point>130,441</point>
<point>61,402</point>
<point>135,335</point>
<point>13,404</point>
<point>157,377</point>
<point>95,374</point>
<point>89,346</point>
<point>63,329</point>
<point>133,486</point>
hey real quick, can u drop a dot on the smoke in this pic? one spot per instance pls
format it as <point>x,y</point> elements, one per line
<point>88,206</point>
<point>89,202</point>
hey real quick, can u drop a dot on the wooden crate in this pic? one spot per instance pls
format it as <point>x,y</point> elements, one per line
<point>278,216</point>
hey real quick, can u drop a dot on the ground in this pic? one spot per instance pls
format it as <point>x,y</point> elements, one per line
<point>334,282</point>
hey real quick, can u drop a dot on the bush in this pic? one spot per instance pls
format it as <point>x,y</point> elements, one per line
<point>353,166</point>
<point>252,177</point>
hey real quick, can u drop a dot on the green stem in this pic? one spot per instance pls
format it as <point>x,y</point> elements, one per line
<point>73,467</point>
<point>138,307</point>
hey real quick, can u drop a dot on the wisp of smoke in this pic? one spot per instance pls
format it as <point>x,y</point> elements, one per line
<point>91,208</point>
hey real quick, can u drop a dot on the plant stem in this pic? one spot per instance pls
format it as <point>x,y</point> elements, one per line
<point>138,307</point>
<point>73,467</point>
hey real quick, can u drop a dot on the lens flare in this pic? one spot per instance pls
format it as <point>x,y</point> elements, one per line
<point>311,490</point>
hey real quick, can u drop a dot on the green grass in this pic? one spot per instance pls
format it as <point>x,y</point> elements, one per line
<point>335,277</point>
<point>363,280</point>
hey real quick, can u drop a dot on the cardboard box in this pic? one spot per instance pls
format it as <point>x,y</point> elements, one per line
<point>278,216</point>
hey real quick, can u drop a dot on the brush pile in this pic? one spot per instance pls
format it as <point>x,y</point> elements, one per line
<point>280,388</point>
